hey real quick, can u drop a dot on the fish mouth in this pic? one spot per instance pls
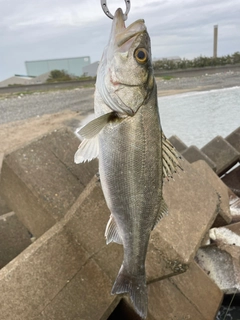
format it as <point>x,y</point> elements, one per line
<point>123,34</point>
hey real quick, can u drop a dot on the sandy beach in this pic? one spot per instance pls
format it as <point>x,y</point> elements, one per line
<point>22,123</point>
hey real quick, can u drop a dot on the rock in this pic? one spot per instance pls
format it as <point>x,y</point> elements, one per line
<point>224,217</point>
<point>40,181</point>
<point>226,235</point>
<point>178,144</point>
<point>193,154</point>
<point>221,153</point>
<point>222,266</point>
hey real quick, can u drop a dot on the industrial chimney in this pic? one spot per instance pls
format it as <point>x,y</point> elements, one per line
<point>215,40</point>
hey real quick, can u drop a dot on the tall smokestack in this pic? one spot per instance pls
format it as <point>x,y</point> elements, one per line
<point>215,41</point>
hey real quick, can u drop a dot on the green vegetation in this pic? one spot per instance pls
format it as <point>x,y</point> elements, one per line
<point>59,75</point>
<point>167,77</point>
<point>62,75</point>
<point>197,62</point>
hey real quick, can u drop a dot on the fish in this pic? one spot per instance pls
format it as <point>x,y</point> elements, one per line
<point>134,154</point>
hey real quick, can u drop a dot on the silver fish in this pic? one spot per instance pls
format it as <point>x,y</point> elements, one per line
<point>134,155</point>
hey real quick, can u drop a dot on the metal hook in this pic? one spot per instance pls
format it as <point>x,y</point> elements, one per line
<point>108,13</point>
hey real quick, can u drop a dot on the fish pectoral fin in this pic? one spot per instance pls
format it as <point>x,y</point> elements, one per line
<point>93,128</point>
<point>87,151</point>
<point>136,287</point>
<point>170,158</point>
<point>111,232</point>
<point>163,211</point>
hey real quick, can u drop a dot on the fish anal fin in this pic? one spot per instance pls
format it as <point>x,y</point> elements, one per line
<point>87,151</point>
<point>163,211</point>
<point>111,232</point>
<point>93,128</point>
<point>136,287</point>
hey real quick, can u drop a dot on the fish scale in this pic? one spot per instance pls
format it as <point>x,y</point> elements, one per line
<point>134,155</point>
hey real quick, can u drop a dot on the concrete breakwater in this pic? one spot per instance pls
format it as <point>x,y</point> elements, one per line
<point>63,268</point>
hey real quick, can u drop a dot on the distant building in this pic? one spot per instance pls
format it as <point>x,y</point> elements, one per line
<point>73,66</point>
<point>91,69</point>
<point>24,80</point>
<point>16,80</point>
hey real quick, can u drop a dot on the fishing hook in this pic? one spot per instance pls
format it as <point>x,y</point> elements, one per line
<point>108,13</point>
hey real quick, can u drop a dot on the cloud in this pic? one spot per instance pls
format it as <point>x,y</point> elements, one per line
<point>34,30</point>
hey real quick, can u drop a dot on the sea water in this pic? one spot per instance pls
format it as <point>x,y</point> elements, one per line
<point>198,117</point>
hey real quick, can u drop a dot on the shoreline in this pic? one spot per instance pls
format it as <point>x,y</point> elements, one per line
<point>205,82</point>
<point>171,92</point>
<point>69,107</point>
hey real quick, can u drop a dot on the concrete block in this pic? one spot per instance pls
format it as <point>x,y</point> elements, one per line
<point>232,180</point>
<point>192,202</point>
<point>224,216</point>
<point>14,238</point>
<point>29,283</point>
<point>191,295</point>
<point>226,235</point>
<point>222,153</point>
<point>222,265</point>
<point>193,154</point>
<point>177,143</point>
<point>234,139</point>
<point>234,207</point>
<point>43,281</point>
<point>3,205</point>
<point>40,181</point>
<point>126,312</point>
<point>59,276</point>
<point>86,296</point>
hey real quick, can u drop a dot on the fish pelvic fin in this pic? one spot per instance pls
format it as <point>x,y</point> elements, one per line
<point>112,233</point>
<point>170,158</point>
<point>163,211</point>
<point>136,287</point>
<point>87,151</point>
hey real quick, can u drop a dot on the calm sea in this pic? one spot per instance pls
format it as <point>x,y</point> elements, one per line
<point>198,117</point>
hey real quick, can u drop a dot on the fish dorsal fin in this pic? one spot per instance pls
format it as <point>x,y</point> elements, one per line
<point>170,158</point>
<point>111,232</point>
<point>87,151</point>
<point>93,128</point>
<point>163,211</point>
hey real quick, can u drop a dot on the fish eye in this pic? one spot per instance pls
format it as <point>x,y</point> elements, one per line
<point>141,55</point>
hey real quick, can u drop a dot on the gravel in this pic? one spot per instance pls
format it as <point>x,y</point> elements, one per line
<point>24,106</point>
<point>206,81</point>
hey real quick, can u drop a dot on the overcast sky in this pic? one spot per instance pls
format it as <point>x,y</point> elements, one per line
<point>48,29</point>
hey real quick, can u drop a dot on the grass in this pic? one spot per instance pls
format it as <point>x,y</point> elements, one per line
<point>167,77</point>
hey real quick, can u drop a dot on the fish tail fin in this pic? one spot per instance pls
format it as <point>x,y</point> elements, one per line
<point>136,288</point>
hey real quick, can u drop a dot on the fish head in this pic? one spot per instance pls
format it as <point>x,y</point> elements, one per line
<point>125,70</point>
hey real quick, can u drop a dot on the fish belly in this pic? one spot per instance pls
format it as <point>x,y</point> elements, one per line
<point>130,166</point>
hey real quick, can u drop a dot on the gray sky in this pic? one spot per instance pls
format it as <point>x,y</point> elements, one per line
<point>48,29</point>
